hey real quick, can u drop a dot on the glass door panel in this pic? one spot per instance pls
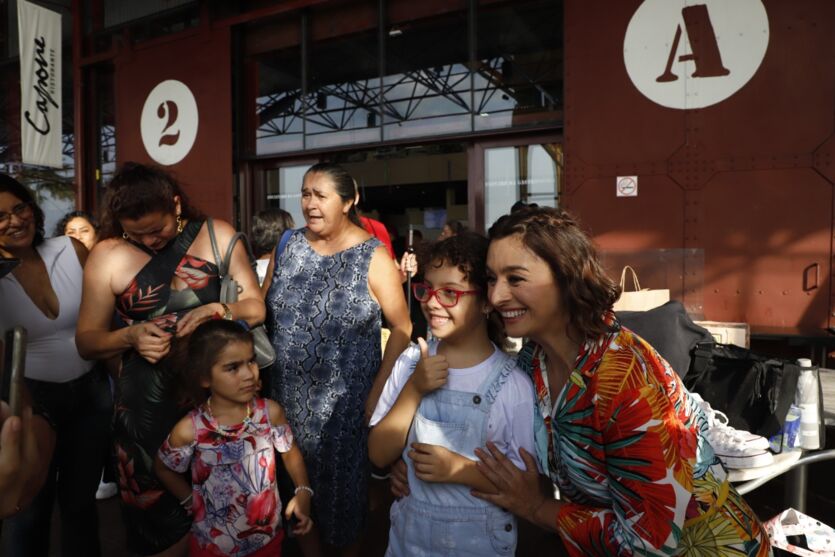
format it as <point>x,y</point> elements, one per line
<point>527,173</point>
<point>283,187</point>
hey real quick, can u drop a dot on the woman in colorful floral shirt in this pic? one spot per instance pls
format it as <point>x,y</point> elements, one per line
<point>620,437</point>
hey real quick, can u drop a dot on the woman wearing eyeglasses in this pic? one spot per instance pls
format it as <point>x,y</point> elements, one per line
<point>43,294</point>
<point>324,294</point>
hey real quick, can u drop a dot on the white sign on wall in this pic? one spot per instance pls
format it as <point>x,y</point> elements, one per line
<point>694,53</point>
<point>626,186</point>
<point>40,85</point>
<point>169,122</point>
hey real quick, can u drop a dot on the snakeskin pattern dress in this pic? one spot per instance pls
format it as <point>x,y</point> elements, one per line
<point>325,327</point>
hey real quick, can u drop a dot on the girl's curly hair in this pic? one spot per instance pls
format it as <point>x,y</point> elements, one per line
<point>468,252</point>
<point>555,236</point>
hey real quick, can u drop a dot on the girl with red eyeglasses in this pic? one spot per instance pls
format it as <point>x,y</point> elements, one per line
<point>444,399</point>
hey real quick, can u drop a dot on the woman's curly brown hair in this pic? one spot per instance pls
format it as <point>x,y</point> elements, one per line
<point>137,190</point>
<point>555,236</point>
<point>468,252</point>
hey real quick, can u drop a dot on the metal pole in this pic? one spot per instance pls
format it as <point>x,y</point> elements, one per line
<point>409,249</point>
<point>795,488</point>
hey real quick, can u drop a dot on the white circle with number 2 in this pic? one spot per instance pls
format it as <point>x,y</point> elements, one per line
<point>169,122</point>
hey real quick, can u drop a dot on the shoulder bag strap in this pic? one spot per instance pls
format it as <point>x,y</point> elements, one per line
<point>227,261</point>
<point>218,261</point>
<point>163,264</point>
<point>282,243</point>
<point>224,264</point>
<point>702,356</point>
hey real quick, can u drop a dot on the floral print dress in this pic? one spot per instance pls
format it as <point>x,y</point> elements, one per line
<point>147,395</point>
<point>235,500</point>
<point>624,443</point>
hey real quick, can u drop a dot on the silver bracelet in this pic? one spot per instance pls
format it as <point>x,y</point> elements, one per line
<point>306,488</point>
<point>186,502</point>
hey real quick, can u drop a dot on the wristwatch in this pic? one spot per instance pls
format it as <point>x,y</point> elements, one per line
<point>227,313</point>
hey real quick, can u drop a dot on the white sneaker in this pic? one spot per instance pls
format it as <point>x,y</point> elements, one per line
<point>106,490</point>
<point>736,448</point>
<point>733,451</point>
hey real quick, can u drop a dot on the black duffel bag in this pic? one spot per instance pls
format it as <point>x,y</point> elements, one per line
<point>669,330</point>
<point>754,391</point>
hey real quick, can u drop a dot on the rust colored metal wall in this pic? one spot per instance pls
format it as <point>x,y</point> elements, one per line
<point>742,188</point>
<point>201,61</point>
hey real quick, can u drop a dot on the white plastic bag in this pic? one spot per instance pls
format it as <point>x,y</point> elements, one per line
<point>820,538</point>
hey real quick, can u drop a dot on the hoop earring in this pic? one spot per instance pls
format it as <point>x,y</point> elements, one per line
<point>180,224</point>
<point>125,236</point>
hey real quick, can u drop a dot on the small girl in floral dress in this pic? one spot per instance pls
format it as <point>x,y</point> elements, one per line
<point>229,441</point>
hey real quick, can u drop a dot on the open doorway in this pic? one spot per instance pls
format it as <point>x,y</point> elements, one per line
<point>419,187</point>
<point>425,186</point>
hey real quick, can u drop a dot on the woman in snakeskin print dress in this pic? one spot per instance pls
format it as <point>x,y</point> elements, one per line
<point>324,295</point>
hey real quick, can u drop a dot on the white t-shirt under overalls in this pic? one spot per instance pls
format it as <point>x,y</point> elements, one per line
<point>492,401</point>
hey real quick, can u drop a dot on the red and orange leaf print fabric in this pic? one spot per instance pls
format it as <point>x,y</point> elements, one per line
<point>625,444</point>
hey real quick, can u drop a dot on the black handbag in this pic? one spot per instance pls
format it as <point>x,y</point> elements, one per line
<point>669,330</point>
<point>754,391</point>
<point>229,289</point>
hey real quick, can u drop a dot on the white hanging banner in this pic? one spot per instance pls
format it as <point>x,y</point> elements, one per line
<point>40,84</point>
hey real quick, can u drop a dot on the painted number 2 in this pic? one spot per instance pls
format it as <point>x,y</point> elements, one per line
<point>168,109</point>
<point>169,122</point>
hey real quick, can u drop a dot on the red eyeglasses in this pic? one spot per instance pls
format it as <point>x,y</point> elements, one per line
<point>447,297</point>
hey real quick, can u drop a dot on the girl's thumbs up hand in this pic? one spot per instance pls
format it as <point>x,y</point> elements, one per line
<point>431,371</point>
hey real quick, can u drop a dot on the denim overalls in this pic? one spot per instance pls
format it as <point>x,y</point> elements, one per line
<point>442,518</point>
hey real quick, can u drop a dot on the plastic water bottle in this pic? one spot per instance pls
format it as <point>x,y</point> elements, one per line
<point>807,399</point>
<point>788,438</point>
